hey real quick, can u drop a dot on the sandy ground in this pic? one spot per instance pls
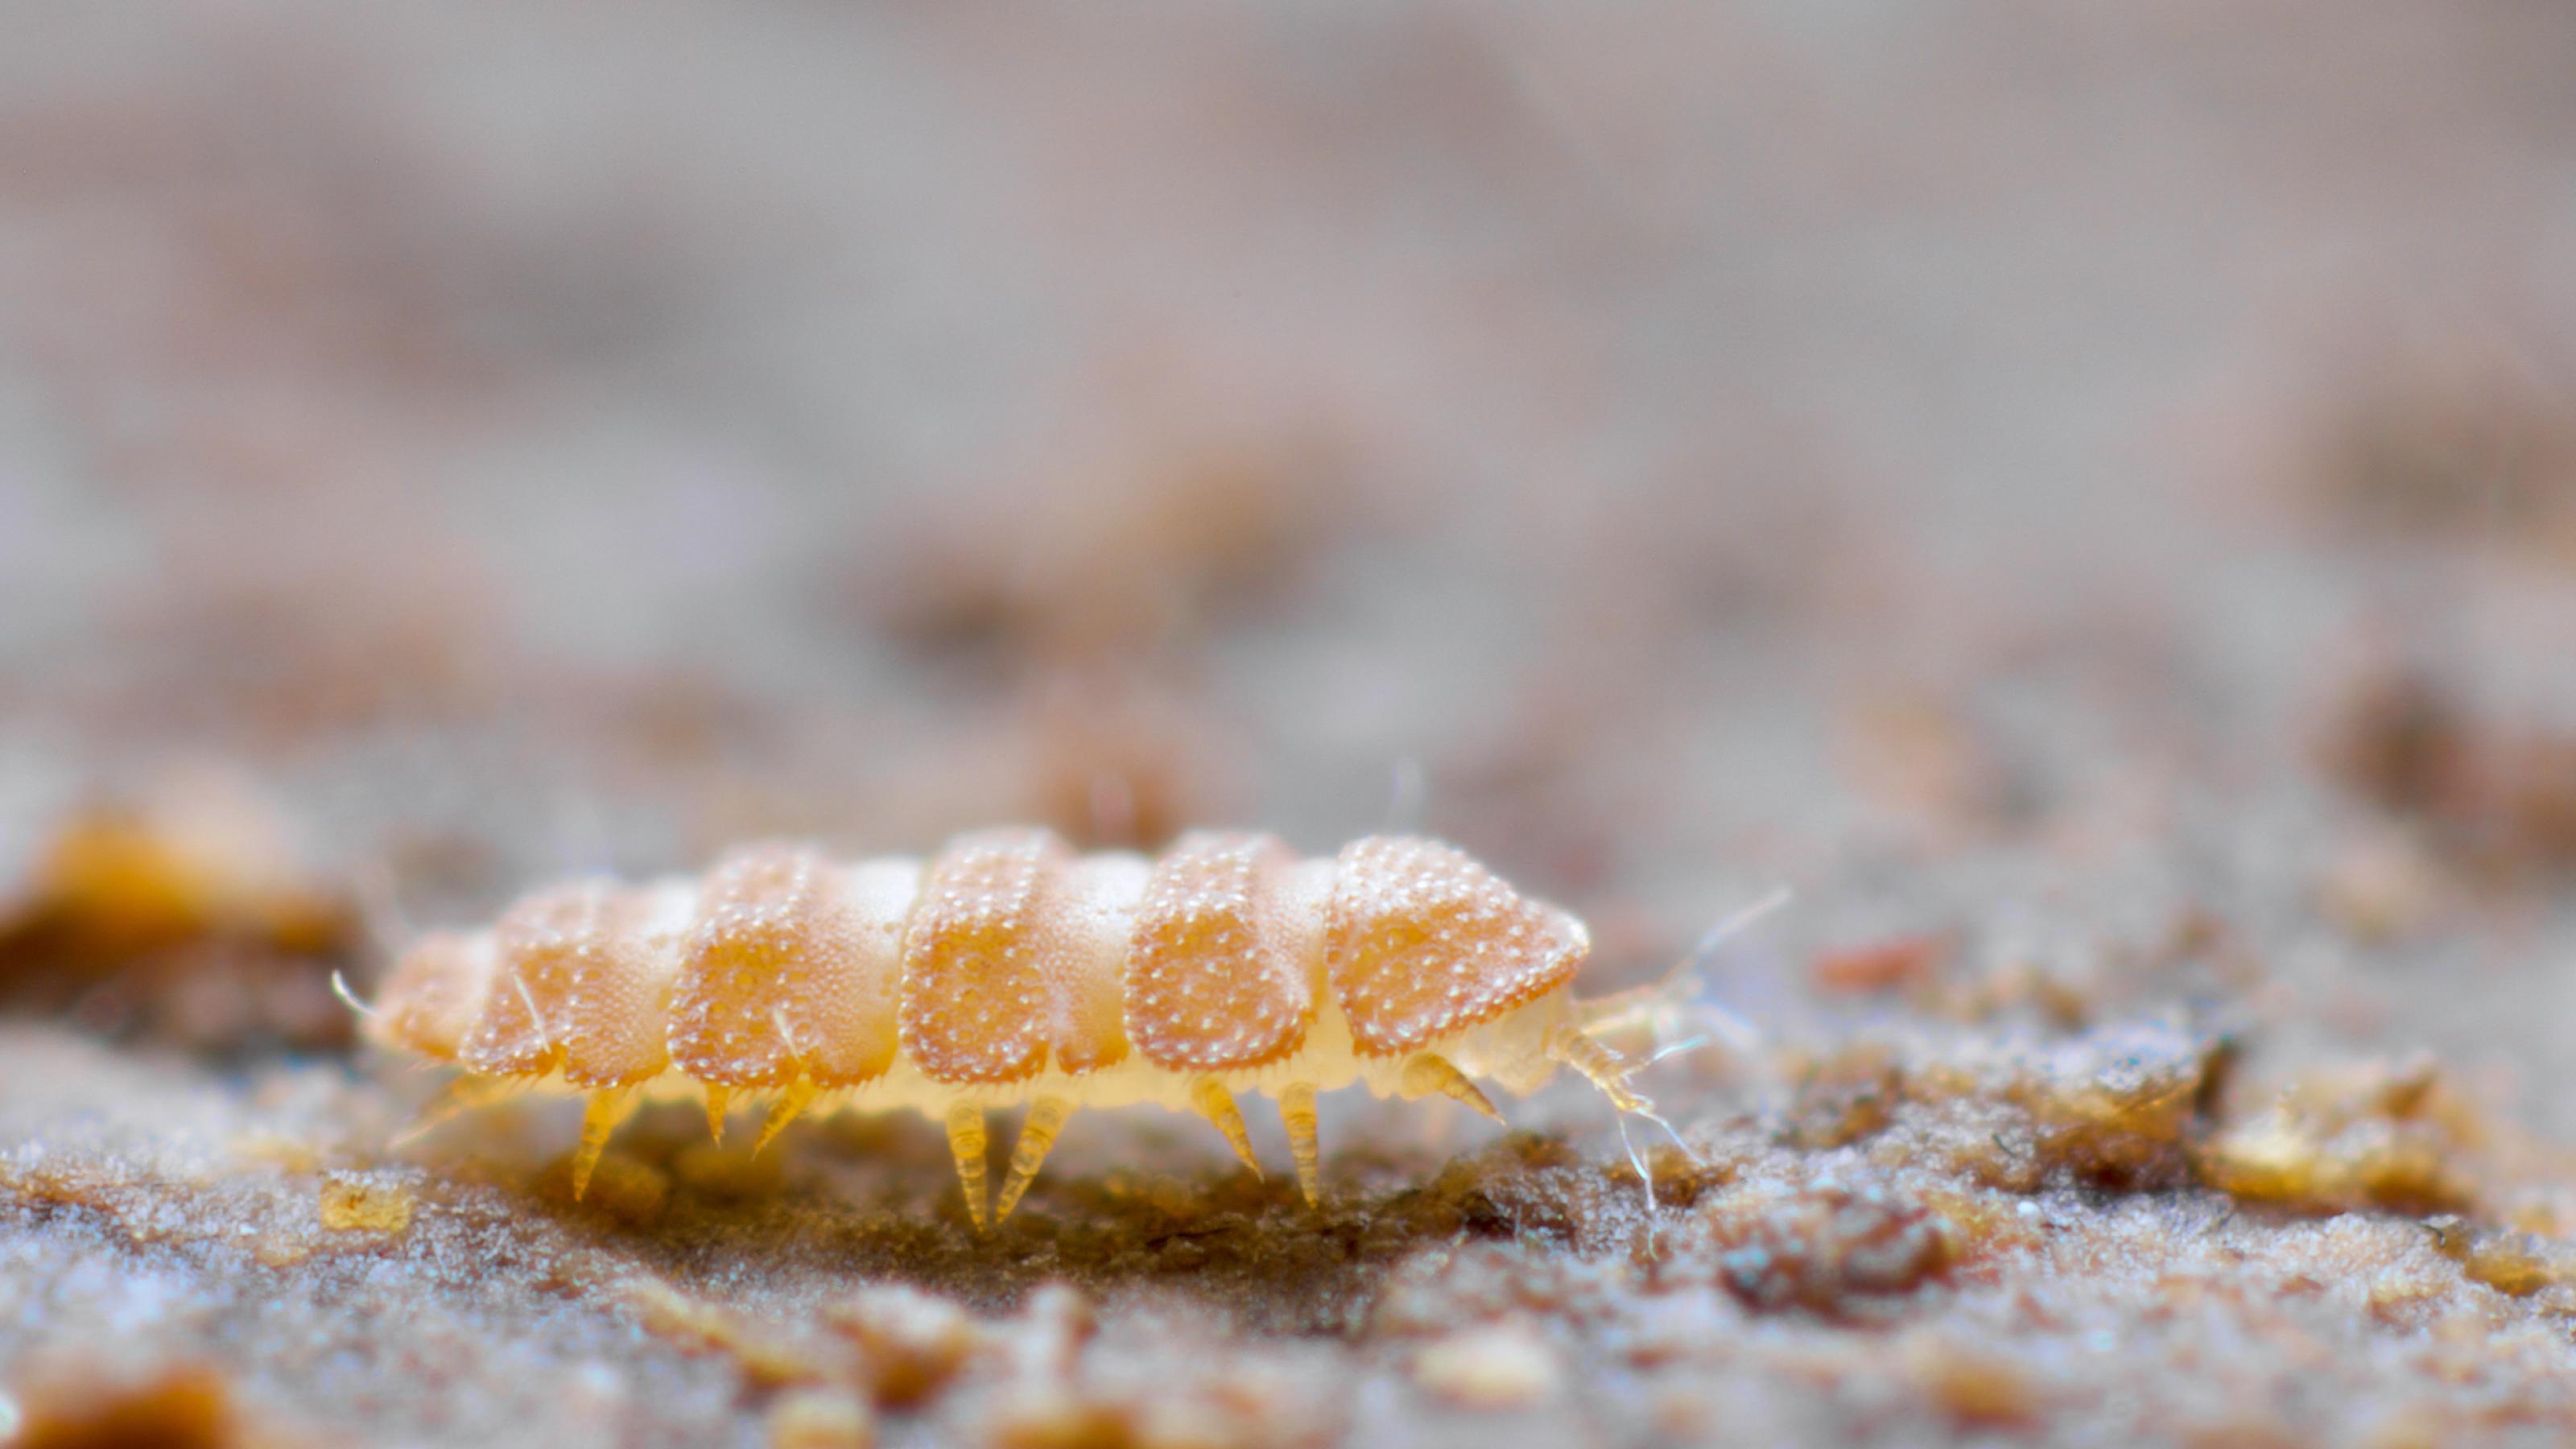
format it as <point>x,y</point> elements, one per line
<point>2086,501</point>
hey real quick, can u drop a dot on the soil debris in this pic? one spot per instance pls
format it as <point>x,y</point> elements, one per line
<point>184,918</point>
<point>2377,1135</point>
<point>358,1203</point>
<point>77,1405</point>
<point>1831,1247</point>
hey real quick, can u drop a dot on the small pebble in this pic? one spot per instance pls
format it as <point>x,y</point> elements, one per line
<point>354,1203</point>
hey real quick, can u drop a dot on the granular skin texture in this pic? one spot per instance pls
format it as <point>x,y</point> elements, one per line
<point>2077,496</point>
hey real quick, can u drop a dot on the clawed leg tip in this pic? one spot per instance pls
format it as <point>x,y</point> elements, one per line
<point>1297,1112</point>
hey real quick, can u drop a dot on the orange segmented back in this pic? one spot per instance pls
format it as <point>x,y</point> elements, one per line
<point>975,1005</point>
<point>1421,941</point>
<point>1011,971</point>
<point>576,985</point>
<point>788,971</point>
<point>1213,979</point>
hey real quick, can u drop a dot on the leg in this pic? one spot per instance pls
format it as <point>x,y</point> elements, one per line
<point>1297,1109</point>
<point>464,1094</point>
<point>791,1104</point>
<point>598,1120</point>
<point>1427,1074</point>
<point>1037,1134</point>
<point>1609,1073</point>
<point>1216,1104</point>
<point>966,1144</point>
<point>1600,1066</point>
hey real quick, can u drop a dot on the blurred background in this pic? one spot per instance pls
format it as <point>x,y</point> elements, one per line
<point>2085,496</point>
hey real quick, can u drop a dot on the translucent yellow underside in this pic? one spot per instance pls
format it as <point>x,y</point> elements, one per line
<point>1510,1049</point>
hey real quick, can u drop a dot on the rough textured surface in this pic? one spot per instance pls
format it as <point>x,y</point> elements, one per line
<point>1213,979</point>
<point>1422,941</point>
<point>980,1002</point>
<point>577,988</point>
<point>783,976</point>
<point>2081,494</point>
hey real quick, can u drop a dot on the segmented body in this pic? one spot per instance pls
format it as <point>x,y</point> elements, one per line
<point>1006,970</point>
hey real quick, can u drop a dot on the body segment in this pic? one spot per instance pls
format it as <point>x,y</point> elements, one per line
<point>1216,976</point>
<point>790,969</point>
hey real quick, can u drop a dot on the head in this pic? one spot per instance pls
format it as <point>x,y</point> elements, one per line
<point>1522,1047</point>
<point>1429,955</point>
